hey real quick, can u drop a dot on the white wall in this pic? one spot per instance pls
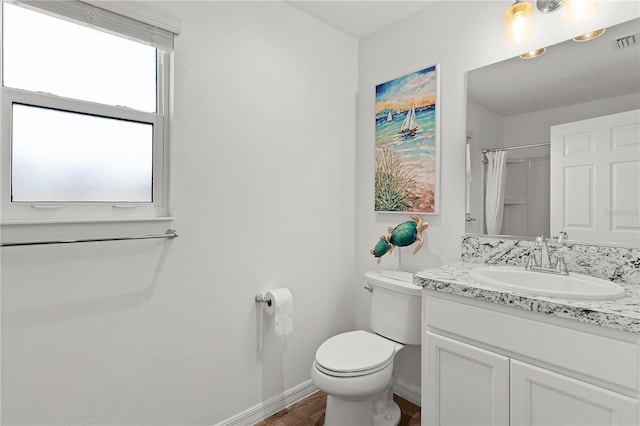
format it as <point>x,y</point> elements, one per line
<point>487,133</point>
<point>534,127</point>
<point>263,178</point>
<point>461,36</point>
<point>152,332</point>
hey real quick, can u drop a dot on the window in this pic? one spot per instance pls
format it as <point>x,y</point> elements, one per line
<point>111,161</point>
<point>84,125</point>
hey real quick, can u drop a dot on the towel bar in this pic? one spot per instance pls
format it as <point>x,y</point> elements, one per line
<point>170,234</point>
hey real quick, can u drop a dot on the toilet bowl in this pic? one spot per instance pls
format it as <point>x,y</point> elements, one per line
<point>356,369</point>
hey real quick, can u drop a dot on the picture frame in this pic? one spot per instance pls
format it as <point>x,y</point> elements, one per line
<point>407,143</point>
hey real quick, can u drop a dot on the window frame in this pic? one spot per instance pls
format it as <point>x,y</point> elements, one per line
<point>53,212</point>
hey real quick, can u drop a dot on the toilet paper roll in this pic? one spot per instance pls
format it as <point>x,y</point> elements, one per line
<point>282,308</point>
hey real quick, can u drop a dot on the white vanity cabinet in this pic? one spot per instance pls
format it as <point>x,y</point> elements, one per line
<point>540,396</point>
<point>467,385</point>
<point>490,364</point>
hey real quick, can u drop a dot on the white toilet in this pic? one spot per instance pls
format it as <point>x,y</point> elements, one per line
<point>355,369</point>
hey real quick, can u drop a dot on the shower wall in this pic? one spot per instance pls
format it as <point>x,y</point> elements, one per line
<point>526,196</point>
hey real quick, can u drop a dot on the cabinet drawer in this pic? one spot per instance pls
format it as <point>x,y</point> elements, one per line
<point>600,357</point>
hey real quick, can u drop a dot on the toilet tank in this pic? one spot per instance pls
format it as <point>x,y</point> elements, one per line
<point>395,306</point>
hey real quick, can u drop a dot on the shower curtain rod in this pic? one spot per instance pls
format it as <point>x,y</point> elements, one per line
<point>508,148</point>
<point>170,234</point>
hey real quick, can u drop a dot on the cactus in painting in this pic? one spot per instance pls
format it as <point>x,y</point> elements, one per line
<point>393,184</point>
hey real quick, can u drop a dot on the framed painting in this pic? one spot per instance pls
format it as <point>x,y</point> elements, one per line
<point>407,145</point>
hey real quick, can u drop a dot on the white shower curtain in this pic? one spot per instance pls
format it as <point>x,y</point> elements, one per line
<point>494,193</point>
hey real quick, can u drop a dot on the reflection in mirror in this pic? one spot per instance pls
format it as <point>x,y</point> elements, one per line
<point>514,105</point>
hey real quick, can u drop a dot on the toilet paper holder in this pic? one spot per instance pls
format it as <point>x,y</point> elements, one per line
<point>260,298</point>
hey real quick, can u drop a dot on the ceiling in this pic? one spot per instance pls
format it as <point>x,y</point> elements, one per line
<point>359,19</point>
<point>568,73</point>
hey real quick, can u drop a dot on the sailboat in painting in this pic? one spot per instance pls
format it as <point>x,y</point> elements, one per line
<point>389,117</point>
<point>410,124</point>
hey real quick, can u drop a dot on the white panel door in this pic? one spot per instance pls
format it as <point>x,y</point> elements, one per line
<point>466,386</point>
<point>541,397</point>
<point>595,178</point>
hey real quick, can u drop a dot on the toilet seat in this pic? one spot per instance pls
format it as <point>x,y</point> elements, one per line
<point>354,354</point>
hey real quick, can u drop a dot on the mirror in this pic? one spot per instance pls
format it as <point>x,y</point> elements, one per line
<point>514,104</point>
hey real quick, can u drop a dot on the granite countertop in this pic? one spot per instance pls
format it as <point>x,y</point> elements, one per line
<point>622,313</point>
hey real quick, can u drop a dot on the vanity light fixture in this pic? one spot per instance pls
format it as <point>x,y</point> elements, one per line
<point>589,36</point>
<point>534,53</point>
<point>518,18</point>
<point>548,6</point>
<point>518,22</point>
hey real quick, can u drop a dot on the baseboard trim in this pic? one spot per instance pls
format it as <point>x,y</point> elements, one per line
<point>279,402</point>
<point>408,392</point>
<point>268,408</point>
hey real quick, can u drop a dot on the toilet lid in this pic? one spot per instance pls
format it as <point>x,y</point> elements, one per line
<point>355,351</point>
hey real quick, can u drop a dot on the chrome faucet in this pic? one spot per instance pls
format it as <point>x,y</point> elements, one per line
<point>544,264</point>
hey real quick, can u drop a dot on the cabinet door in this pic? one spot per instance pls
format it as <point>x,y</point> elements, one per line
<point>466,385</point>
<point>541,397</point>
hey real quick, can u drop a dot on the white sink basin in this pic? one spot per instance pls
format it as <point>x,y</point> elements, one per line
<point>574,286</point>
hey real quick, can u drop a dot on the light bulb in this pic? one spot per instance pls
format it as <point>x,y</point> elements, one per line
<point>518,22</point>
<point>576,11</point>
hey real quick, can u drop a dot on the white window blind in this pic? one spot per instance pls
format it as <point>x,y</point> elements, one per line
<point>105,20</point>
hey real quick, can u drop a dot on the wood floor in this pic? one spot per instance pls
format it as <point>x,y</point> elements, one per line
<point>310,412</point>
